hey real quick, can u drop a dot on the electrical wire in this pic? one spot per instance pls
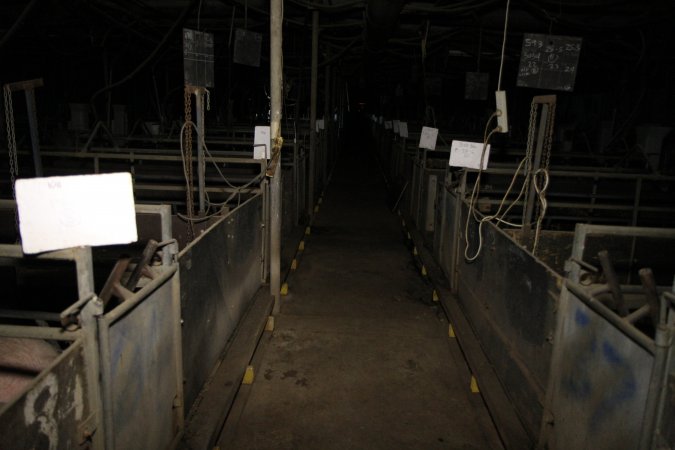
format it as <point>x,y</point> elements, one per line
<point>499,215</point>
<point>181,19</point>
<point>237,189</point>
<point>501,63</point>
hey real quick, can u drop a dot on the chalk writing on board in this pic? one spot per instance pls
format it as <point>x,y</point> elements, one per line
<point>549,62</point>
<point>198,58</point>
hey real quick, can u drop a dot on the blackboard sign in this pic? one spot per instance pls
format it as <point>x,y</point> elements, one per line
<point>247,46</point>
<point>198,58</point>
<point>549,62</point>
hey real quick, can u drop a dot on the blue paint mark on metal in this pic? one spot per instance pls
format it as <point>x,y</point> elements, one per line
<point>581,318</point>
<point>611,354</point>
<point>617,389</point>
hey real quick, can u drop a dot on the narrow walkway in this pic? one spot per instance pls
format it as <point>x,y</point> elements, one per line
<point>360,357</point>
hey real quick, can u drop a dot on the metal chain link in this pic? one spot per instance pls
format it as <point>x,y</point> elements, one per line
<point>11,147</point>
<point>189,200</point>
<point>11,136</point>
<point>529,150</point>
<point>542,171</point>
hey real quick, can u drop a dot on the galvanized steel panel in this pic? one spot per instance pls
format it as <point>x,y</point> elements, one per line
<point>601,382</point>
<point>220,272</point>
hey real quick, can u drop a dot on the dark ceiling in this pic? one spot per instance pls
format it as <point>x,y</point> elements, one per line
<point>131,48</point>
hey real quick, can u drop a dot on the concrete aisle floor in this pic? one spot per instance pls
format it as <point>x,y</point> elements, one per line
<point>360,357</point>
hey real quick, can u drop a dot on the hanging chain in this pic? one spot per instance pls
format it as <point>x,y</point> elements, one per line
<point>529,151</point>
<point>187,162</point>
<point>11,146</point>
<point>542,173</point>
<point>208,99</point>
<point>11,136</point>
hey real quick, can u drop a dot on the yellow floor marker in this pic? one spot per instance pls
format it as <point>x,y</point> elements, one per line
<point>409,237</point>
<point>284,289</point>
<point>269,326</point>
<point>301,247</point>
<point>474,385</point>
<point>308,231</point>
<point>415,251</point>
<point>451,331</point>
<point>316,209</point>
<point>434,296</point>
<point>294,264</point>
<point>424,271</point>
<point>249,375</point>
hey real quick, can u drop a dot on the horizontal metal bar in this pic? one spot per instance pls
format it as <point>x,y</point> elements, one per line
<point>580,174</point>
<point>15,251</point>
<point>587,229</point>
<point>630,331</point>
<point>168,187</point>
<point>29,315</point>
<point>25,85</point>
<point>117,313</point>
<point>31,332</point>
<point>149,157</point>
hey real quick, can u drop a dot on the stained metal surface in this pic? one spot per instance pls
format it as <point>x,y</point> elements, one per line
<point>56,411</point>
<point>141,370</point>
<point>510,298</point>
<point>600,382</point>
<point>219,273</point>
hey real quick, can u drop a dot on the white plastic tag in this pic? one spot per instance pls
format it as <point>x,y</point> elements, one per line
<point>428,138</point>
<point>468,154</point>
<point>73,211</point>
<point>262,143</point>
<point>403,129</point>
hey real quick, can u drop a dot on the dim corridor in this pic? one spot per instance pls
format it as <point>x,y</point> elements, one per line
<point>360,357</point>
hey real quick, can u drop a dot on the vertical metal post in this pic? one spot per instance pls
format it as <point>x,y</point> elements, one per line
<point>201,166</point>
<point>529,206</point>
<point>276,80</point>
<point>326,123</point>
<point>34,135</point>
<point>312,110</point>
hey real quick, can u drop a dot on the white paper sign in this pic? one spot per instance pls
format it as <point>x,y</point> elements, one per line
<point>396,125</point>
<point>262,143</point>
<point>403,129</point>
<point>387,124</point>
<point>468,154</point>
<point>428,138</point>
<point>64,212</point>
<point>320,125</point>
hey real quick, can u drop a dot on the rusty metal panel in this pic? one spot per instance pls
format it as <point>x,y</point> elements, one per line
<point>220,272</point>
<point>56,411</point>
<point>600,382</point>
<point>141,371</point>
<point>510,298</point>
